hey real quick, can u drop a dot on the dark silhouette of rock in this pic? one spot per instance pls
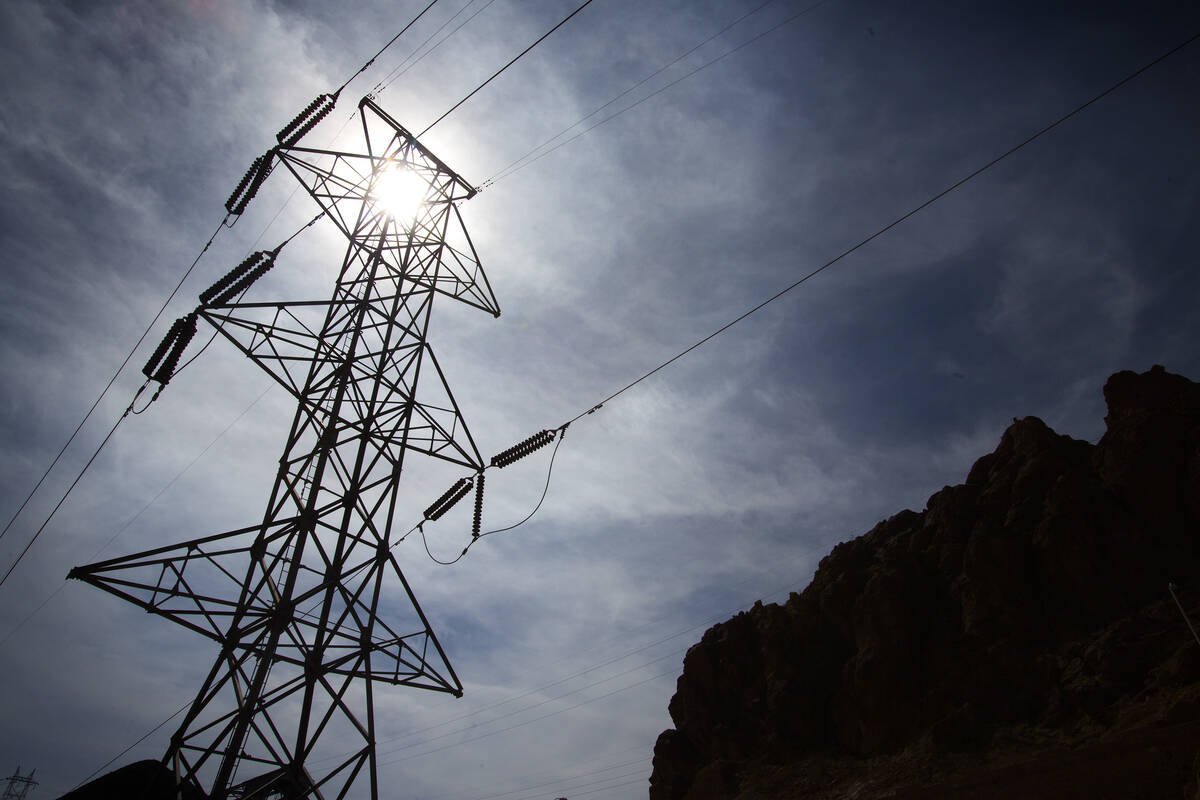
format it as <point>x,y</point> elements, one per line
<point>1014,639</point>
<point>141,780</point>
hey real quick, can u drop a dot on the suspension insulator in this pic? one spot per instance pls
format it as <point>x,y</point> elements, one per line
<point>522,449</point>
<point>170,350</point>
<point>478,506</point>
<point>249,184</point>
<point>258,266</point>
<point>306,120</point>
<point>241,269</point>
<point>444,503</point>
<point>161,350</point>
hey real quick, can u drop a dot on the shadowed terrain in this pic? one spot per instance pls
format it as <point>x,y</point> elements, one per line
<point>141,780</point>
<point>1017,638</point>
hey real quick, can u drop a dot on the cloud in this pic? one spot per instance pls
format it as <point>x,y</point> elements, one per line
<point>722,478</point>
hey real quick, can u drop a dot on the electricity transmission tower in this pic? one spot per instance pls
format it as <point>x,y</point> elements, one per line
<point>18,786</point>
<point>309,608</point>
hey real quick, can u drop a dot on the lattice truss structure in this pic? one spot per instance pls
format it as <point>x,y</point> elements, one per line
<point>294,601</point>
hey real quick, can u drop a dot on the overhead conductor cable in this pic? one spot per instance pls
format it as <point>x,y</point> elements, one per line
<point>235,205</point>
<point>295,130</point>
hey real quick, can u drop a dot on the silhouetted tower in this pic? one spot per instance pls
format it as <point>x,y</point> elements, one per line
<point>309,608</point>
<point>19,785</point>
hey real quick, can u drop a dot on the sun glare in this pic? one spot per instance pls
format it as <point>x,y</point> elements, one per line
<point>399,192</point>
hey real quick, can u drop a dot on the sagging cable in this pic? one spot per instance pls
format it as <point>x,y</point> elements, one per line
<point>240,278</point>
<point>165,357</point>
<point>452,495</point>
<point>306,120</point>
<point>133,409</point>
<point>476,536</point>
<point>250,183</point>
<point>522,449</point>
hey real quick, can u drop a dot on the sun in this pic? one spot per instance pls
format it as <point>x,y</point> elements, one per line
<point>399,192</point>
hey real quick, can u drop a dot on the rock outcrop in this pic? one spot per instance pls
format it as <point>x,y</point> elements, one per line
<point>1015,639</point>
<point>141,780</point>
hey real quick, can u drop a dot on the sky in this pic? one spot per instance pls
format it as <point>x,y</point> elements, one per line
<point>720,480</point>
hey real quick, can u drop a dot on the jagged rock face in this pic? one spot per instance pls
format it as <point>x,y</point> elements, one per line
<point>1034,594</point>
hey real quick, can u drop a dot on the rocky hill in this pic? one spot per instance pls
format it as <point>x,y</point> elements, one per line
<point>141,780</point>
<point>1017,638</point>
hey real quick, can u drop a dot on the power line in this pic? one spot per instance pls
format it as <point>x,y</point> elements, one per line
<point>565,785</point>
<point>208,244</point>
<point>878,233</point>
<point>555,782</point>
<point>704,624</point>
<point>404,66</point>
<point>74,483</point>
<point>513,167</point>
<point>972,175</point>
<point>130,409</point>
<point>206,247</point>
<point>365,66</point>
<point>863,242</point>
<point>602,784</point>
<point>33,613</point>
<point>615,786</point>
<point>111,381</point>
<point>540,703</point>
<point>496,74</point>
<point>370,317</point>
<point>938,196</point>
<point>149,733</point>
<point>545,774</point>
<point>391,41</point>
<point>535,719</point>
<point>125,362</point>
<point>537,691</point>
<point>545,489</point>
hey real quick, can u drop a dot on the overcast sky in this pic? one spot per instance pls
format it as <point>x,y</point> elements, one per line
<point>720,480</point>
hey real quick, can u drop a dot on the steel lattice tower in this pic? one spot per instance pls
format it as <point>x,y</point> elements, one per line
<point>295,602</point>
<point>18,785</point>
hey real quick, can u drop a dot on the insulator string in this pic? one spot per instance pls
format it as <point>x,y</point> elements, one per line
<point>557,435</point>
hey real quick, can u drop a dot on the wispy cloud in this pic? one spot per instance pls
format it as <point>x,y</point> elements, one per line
<point>723,478</point>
